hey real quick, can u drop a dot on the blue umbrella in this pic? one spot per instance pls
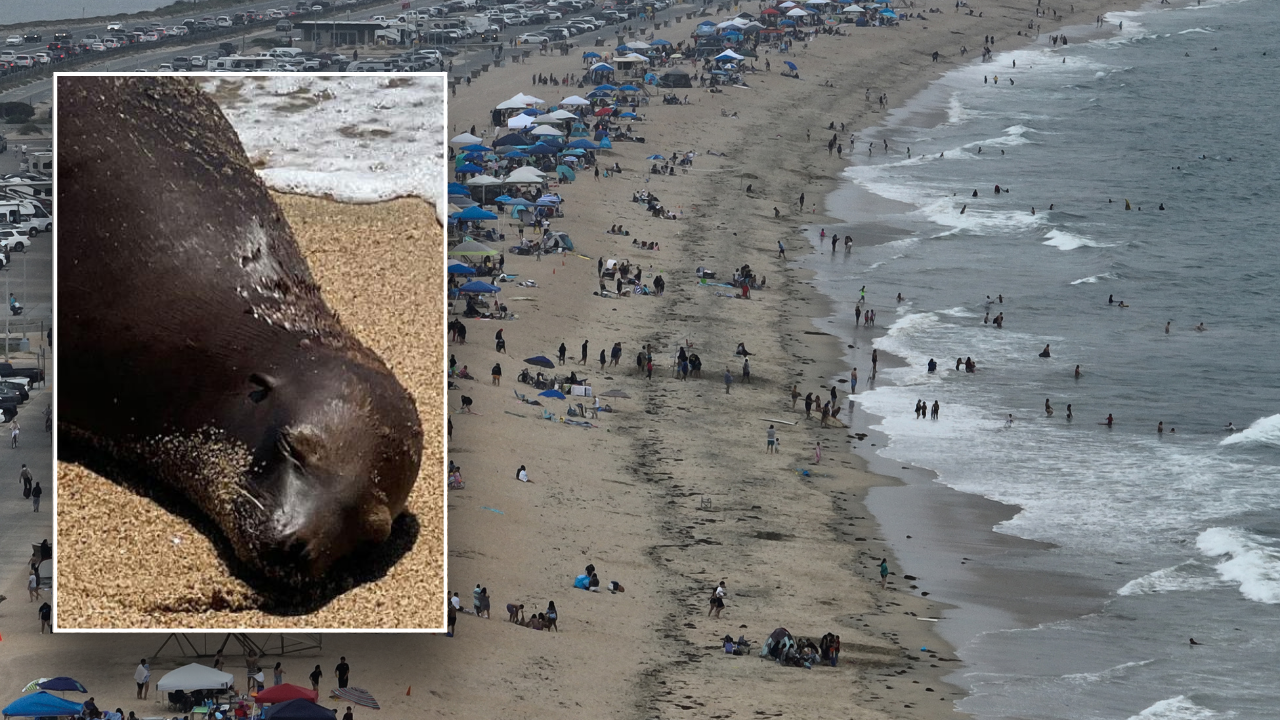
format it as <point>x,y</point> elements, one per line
<point>515,155</point>
<point>458,189</point>
<point>888,12</point>
<point>460,269</point>
<point>42,704</point>
<point>790,64</point>
<point>541,361</point>
<point>476,148</point>
<point>552,393</point>
<point>584,144</point>
<point>471,168</point>
<point>629,88</point>
<point>473,156</point>
<point>543,202</point>
<point>519,202</point>
<point>629,115</point>
<point>655,157</point>
<point>478,286</point>
<point>606,86</point>
<point>542,149</point>
<point>62,684</point>
<point>787,22</point>
<point>591,55</point>
<point>474,213</point>
<point>534,112</point>
<point>622,49</point>
<point>503,198</point>
<point>659,42</point>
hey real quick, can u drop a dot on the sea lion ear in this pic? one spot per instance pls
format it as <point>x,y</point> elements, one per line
<point>265,384</point>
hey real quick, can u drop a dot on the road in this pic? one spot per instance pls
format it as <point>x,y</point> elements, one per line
<point>472,56</point>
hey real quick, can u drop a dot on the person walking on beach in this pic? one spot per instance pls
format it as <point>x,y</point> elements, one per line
<point>584,352</point>
<point>277,674</point>
<point>875,358</point>
<point>817,453</point>
<point>343,671</point>
<point>497,374</point>
<point>728,380</point>
<point>36,492</point>
<point>25,477</point>
<point>853,381</point>
<point>934,412</point>
<point>315,678</point>
<point>884,573</point>
<point>563,350</point>
<point>782,251</point>
<point>808,405</point>
<point>603,360</point>
<point>795,395</point>
<point>142,676</point>
<point>771,440</point>
<point>746,370</point>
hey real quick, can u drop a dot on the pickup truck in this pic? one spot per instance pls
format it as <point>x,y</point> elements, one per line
<point>33,375</point>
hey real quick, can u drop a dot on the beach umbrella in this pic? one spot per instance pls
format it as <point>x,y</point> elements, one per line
<point>853,9</point>
<point>655,157</point>
<point>475,148</point>
<point>787,4</point>
<point>33,685</point>
<point>591,55</point>
<point>729,55</point>
<point>770,11</point>
<point>583,144</point>
<point>510,139</point>
<point>465,139</point>
<point>547,120</point>
<point>661,42</point>
<point>615,393</point>
<point>62,684</point>
<point>639,45</point>
<point>516,155</point>
<point>470,168</point>
<point>541,149</point>
<point>458,189</point>
<point>454,269</point>
<point>357,695</point>
<point>796,12</point>
<point>531,112</point>
<point>472,247</point>
<point>42,704</point>
<point>574,100</point>
<point>604,111</point>
<point>602,67</point>
<point>484,180</point>
<point>540,361</point>
<point>888,12</point>
<point>788,22</point>
<point>791,65</point>
<point>606,87</point>
<point>552,393</point>
<point>478,287</point>
<point>473,156</point>
<point>544,130</point>
<point>286,691</point>
<point>629,88</point>
<point>299,709</point>
<point>474,213</point>
<point>563,115</point>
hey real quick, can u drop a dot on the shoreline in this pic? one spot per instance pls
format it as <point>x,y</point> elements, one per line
<point>1002,585</point>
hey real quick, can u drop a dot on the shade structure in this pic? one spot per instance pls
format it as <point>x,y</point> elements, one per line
<point>631,58</point>
<point>541,149</point>
<point>42,704</point>
<point>853,9</point>
<point>472,247</point>
<point>791,64</point>
<point>655,157</point>
<point>563,115</point>
<point>284,692</point>
<point>552,393</point>
<point>479,287</point>
<point>629,88</point>
<point>796,12</point>
<point>458,189</point>
<point>359,696</point>
<point>592,55</point>
<point>518,122</point>
<point>729,55</point>
<point>888,13</point>
<point>540,361</point>
<point>484,180</point>
<point>454,269</point>
<point>583,144</point>
<point>515,155</point>
<point>545,130</point>
<point>602,67</point>
<point>519,202</point>
<point>62,684</point>
<point>510,139</point>
<point>33,685</point>
<point>470,168</point>
<point>526,176</point>
<point>465,139</point>
<point>606,87</point>
<point>474,213</point>
<point>475,147</point>
<point>547,120</point>
<point>638,45</point>
<point>195,677</point>
<point>299,709</point>
<point>574,100</point>
<point>661,42</point>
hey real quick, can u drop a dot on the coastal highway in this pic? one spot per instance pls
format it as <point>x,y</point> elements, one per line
<point>471,56</point>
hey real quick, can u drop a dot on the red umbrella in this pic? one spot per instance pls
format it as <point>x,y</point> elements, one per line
<point>603,111</point>
<point>286,691</point>
<point>770,11</point>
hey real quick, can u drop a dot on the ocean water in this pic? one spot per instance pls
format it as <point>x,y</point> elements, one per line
<point>351,138</point>
<point>1180,531</point>
<point>13,12</point>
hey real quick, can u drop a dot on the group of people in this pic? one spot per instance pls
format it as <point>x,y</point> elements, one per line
<point>536,621</point>
<point>923,410</point>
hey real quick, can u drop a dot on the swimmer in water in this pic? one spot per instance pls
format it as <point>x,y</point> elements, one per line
<point>1166,327</point>
<point>1123,304</point>
<point>1230,427</point>
<point>1069,416</point>
<point>1045,352</point>
<point>1048,409</point>
<point>1109,421</point>
<point>1160,428</point>
<point>1009,421</point>
<point>1111,299</point>
<point>1077,372</point>
<point>1201,327</point>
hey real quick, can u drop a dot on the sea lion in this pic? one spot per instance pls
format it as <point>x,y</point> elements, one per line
<point>200,353</point>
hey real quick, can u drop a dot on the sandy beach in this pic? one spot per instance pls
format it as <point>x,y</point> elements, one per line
<point>387,295</point>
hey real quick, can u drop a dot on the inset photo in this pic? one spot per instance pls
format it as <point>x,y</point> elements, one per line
<point>250,419</point>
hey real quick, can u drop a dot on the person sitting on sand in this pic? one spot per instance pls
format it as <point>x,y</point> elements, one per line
<point>615,586</point>
<point>522,475</point>
<point>535,622</point>
<point>464,374</point>
<point>742,350</point>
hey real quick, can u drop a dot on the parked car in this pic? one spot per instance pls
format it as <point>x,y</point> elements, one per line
<point>197,61</point>
<point>14,238</point>
<point>532,39</point>
<point>182,62</point>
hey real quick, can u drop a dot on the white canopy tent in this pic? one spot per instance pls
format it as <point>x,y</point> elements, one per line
<point>545,130</point>
<point>195,677</point>
<point>796,12</point>
<point>630,58</point>
<point>466,139</point>
<point>575,100</point>
<point>520,122</point>
<point>526,176</point>
<point>562,115</point>
<point>484,180</point>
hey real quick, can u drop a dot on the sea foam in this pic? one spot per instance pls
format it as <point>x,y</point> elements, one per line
<point>1263,431</point>
<point>1252,564</point>
<point>1177,708</point>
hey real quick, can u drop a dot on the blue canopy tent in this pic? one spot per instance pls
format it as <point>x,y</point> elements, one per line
<point>474,213</point>
<point>591,55</point>
<point>470,168</point>
<point>659,41</point>
<point>629,88</point>
<point>515,155</point>
<point>475,148</point>
<point>299,709</point>
<point>42,704</point>
<point>460,269</point>
<point>583,144</point>
<point>788,23</point>
<point>541,149</point>
<point>598,95</point>
<point>606,86</point>
<point>479,286</point>
<point>533,112</point>
<point>458,189</point>
<point>511,139</point>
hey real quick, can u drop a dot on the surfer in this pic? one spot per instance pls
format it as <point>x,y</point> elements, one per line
<point>1230,428</point>
<point>1109,421</point>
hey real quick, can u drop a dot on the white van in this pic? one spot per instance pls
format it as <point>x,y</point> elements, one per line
<point>29,216</point>
<point>284,52</point>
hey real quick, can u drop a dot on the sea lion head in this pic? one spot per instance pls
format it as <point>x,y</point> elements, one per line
<point>338,461</point>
